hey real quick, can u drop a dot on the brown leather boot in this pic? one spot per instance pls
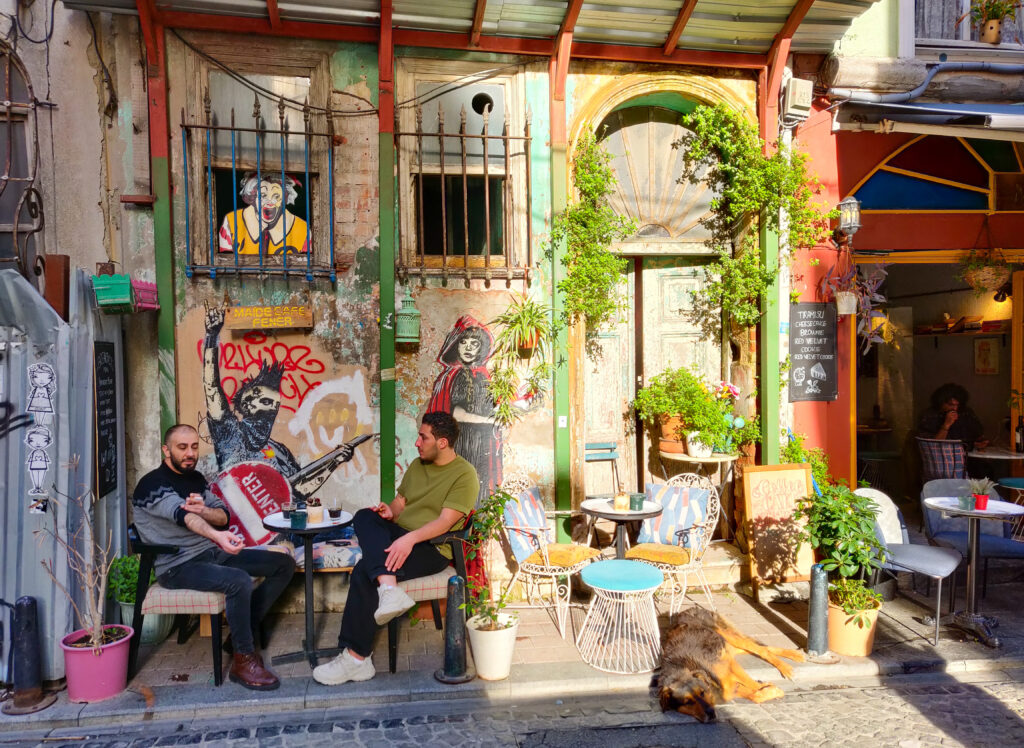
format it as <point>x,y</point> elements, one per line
<point>247,670</point>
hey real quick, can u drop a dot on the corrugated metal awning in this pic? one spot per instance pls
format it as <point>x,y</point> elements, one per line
<point>746,26</point>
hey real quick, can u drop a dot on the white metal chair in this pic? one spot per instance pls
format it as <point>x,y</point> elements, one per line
<point>676,540</point>
<point>536,557</point>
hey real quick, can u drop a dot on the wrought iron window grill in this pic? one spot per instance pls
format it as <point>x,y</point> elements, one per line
<point>222,250</point>
<point>463,215</point>
<point>21,204</point>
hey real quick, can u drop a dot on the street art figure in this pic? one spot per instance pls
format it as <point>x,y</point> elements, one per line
<point>240,431</point>
<point>38,439</point>
<point>461,389</point>
<point>265,215</point>
<point>43,379</point>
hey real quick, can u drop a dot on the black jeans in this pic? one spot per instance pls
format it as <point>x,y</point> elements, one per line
<point>358,627</point>
<point>216,571</point>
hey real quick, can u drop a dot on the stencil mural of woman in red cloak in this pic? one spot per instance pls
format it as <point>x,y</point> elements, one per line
<point>461,389</point>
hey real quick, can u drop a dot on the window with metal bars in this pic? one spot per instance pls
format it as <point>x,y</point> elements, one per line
<point>258,181</point>
<point>464,181</point>
<point>21,205</point>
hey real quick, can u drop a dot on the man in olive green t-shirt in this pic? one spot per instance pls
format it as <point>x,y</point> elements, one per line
<point>438,490</point>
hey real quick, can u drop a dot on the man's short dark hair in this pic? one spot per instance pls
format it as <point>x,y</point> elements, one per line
<point>947,392</point>
<point>442,426</point>
<point>169,434</point>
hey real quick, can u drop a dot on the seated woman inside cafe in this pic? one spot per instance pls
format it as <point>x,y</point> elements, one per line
<point>948,417</point>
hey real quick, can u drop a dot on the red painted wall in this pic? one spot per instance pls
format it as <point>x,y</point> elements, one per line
<point>826,425</point>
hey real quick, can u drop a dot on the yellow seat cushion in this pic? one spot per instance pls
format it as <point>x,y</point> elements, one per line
<point>563,555</point>
<point>657,553</point>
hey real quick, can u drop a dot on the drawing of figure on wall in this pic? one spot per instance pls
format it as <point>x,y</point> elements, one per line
<point>43,379</point>
<point>265,216</point>
<point>461,389</point>
<point>240,430</point>
<point>38,439</point>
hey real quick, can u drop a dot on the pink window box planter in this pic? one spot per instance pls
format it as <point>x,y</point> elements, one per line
<point>144,296</point>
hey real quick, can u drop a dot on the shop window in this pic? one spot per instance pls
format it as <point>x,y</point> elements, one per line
<point>258,175</point>
<point>464,166</point>
<point>21,216</point>
<point>937,19</point>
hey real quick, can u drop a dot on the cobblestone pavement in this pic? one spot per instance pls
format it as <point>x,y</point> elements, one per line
<point>908,711</point>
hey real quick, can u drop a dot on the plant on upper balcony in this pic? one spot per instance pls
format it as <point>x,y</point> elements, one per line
<point>988,15</point>
<point>754,188</point>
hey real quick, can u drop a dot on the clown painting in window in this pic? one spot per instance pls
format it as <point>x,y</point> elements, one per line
<point>265,218</point>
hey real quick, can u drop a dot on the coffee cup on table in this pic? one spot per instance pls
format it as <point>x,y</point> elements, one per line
<point>636,502</point>
<point>298,519</point>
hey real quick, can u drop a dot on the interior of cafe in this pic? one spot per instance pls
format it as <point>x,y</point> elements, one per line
<point>943,331</point>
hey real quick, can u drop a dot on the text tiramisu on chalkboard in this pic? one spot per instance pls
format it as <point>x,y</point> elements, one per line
<point>813,371</point>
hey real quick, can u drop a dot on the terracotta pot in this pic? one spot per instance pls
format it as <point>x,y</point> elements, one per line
<point>992,32</point>
<point>670,441</point>
<point>846,635</point>
<point>525,348</point>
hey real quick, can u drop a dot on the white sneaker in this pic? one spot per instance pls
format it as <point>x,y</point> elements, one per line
<point>393,602</point>
<point>342,669</point>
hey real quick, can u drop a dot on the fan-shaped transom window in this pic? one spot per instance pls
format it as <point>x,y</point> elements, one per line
<point>648,165</point>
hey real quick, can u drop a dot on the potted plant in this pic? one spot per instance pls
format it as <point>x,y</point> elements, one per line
<point>988,15</point>
<point>523,326</point>
<point>491,631</point>
<point>840,526</point>
<point>523,332</point>
<point>96,656</point>
<point>979,493</point>
<point>683,407</point>
<point>841,282</point>
<point>984,270</point>
<point>122,584</point>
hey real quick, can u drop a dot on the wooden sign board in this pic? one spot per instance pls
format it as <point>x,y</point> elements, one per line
<point>770,496</point>
<point>268,317</point>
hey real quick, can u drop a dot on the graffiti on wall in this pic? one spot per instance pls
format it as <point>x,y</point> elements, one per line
<point>461,389</point>
<point>43,379</point>
<point>265,219</point>
<point>38,439</point>
<point>10,422</point>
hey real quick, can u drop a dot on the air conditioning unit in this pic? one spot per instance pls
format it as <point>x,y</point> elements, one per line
<point>796,102</point>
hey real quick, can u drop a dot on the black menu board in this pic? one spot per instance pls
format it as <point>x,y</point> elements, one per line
<point>106,418</point>
<point>813,370</point>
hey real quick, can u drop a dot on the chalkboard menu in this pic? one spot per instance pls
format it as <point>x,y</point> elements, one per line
<point>107,421</point>
<point>813,370</point>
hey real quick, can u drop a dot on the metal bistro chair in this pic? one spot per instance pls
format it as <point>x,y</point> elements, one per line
<point>902,555</point>
<point>676,540</point>
<point>536,557</point>
<point>942,458</point>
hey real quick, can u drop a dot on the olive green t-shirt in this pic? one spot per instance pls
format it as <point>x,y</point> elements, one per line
<point>429,488</point>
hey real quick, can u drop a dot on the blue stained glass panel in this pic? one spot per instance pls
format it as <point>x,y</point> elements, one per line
<point>888,191</point>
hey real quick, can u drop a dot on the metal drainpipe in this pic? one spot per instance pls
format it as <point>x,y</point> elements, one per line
<point>1000,68</point>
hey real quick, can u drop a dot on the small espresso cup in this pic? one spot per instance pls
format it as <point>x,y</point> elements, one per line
<point>298,519</point>
<point>334,512</point>
<point>287,509</point>
<point>636,502</point>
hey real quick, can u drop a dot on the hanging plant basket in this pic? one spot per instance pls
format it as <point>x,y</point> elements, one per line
<point>989,278</point>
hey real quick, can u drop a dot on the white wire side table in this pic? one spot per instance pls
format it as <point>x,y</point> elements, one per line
<point>620,633</point>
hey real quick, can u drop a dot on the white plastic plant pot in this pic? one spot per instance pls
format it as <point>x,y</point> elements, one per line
<point>492,650</point>
<point>695,447</point>
<point>846,303</point>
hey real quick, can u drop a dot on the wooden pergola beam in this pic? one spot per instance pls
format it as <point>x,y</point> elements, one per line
<point>478,23</point>
<point>563,49</point>
<point>677,28</point>
<point>793,21</point>
<point>273,14</point>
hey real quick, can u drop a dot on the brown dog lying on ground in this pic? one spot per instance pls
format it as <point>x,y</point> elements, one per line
<point>699,668</point>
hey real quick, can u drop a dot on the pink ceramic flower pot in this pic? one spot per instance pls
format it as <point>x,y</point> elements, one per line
<point>94,677</point>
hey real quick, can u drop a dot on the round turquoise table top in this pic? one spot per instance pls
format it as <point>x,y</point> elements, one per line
<point>621,575</point>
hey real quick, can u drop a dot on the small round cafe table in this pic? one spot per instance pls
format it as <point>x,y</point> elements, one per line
<point>602,506</point>
<point>278,523</point>
<point>970,620</point>
<point>620,633</point>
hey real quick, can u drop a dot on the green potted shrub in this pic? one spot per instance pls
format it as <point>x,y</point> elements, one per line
<point>491,631</point>
<point>522,327</point>
<point>683,407</point>
<point>122,584</point>
<point>840,526</point>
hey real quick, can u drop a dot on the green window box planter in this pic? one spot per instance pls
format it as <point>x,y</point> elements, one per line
<point>113,293</point>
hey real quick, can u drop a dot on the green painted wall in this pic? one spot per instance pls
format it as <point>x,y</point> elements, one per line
<point>875,33</point>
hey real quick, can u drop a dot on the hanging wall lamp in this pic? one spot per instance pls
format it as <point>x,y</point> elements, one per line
<point>407,321</point>
<point>849,221</point>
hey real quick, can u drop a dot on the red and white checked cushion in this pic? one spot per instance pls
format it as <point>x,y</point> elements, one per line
<point>162,600</point>
<point>434,587</point>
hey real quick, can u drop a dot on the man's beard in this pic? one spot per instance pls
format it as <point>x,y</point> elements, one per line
<point>256,429</point>
<point>181,468</point>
